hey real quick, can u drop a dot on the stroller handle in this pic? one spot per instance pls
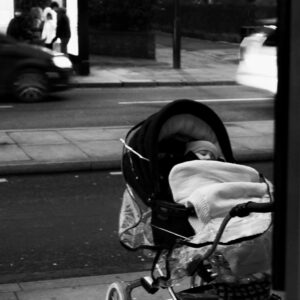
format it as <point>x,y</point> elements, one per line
<point>243,210</point>
<point>240,210</point>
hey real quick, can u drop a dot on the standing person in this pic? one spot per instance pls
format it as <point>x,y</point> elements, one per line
<point>54,6</point>
<point>15,26</point>
<point>37,24</point>
<point>19,27</point>
<point>48,9</point>
<point>63,31</point>
<point>49,31</point>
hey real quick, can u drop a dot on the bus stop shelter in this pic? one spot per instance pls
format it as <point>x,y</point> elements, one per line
<point>78,46</point>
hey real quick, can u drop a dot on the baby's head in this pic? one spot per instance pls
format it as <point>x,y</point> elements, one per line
<point>204,150</point>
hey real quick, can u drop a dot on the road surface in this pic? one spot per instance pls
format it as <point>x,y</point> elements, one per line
<point>127,106</point>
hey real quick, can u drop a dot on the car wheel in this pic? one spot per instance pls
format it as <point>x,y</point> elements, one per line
<point>30,85</point>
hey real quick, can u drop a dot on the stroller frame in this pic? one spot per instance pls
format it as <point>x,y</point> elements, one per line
<point>123,290</point>
<point>143,177</point>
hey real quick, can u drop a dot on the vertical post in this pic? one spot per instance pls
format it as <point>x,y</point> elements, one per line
<point>293,202</point>
<point>280,153</point>
<point>83,37</point>
<point>286,245</point>
<point>176,35</point>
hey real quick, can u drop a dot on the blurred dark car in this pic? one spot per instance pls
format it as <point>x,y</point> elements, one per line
<point>29,73</point>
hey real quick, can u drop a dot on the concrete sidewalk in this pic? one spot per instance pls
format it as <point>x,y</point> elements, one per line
<point>58,150</point>
<point>81,288</point>
<point>202,63</point>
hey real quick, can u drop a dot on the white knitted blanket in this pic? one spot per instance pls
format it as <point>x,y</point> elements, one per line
<point>213,188</point>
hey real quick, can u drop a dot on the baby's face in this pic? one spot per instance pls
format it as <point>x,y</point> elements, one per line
<point>205,155</point>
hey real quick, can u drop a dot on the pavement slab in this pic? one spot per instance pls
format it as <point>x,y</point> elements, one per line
<point>9,287</point>
<point>5,139</point>
<point>8,296</point>
<point>101,149</point>
<point>94,134</point>
<point>12,153</point>
<point>38,137</point>
<point>74,293</point>
<point>57,152</point>
<point>88,288</point>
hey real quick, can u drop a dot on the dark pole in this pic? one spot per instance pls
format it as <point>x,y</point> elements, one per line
<point>83,38</point>
<point>286,231</point>
<point>281,150</point>
<point>176,35</point>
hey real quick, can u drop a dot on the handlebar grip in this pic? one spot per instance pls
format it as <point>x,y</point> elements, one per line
<point>243,210</point>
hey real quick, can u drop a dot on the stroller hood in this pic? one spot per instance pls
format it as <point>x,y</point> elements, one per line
<point>160,140</point>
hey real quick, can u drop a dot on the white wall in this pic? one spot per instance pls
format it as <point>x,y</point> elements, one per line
<point>6,13</point>
<point>60,2</point>
<point>72,12</point>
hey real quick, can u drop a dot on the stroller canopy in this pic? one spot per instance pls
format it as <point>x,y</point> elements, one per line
<point>161,140</point>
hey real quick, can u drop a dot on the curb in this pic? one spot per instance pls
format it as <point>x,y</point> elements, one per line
<point>59,167</point>
<point>149,84</point>
<point>101,165</point>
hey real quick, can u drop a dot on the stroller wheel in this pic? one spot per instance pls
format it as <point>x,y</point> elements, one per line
<point>118,291</point>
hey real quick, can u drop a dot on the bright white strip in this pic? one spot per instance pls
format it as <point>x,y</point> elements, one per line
<point>116,173</point>
<point>5,106</point>
<point>198,100</point>
<point>171,232</point>
<point>2,180</point>
<point>133,151</point>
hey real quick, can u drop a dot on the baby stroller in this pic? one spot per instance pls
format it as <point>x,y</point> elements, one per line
<point>151,219</point>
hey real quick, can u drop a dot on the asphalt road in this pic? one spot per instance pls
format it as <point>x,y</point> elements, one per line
<point>128,106</point>
<point>60,225</point>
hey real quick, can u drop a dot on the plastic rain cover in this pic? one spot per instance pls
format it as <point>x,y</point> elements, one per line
<point>134,222</point>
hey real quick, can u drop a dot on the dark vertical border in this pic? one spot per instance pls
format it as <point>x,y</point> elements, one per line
<point>83,37</point>
<point>177,35</point>
<point>281,146</point>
